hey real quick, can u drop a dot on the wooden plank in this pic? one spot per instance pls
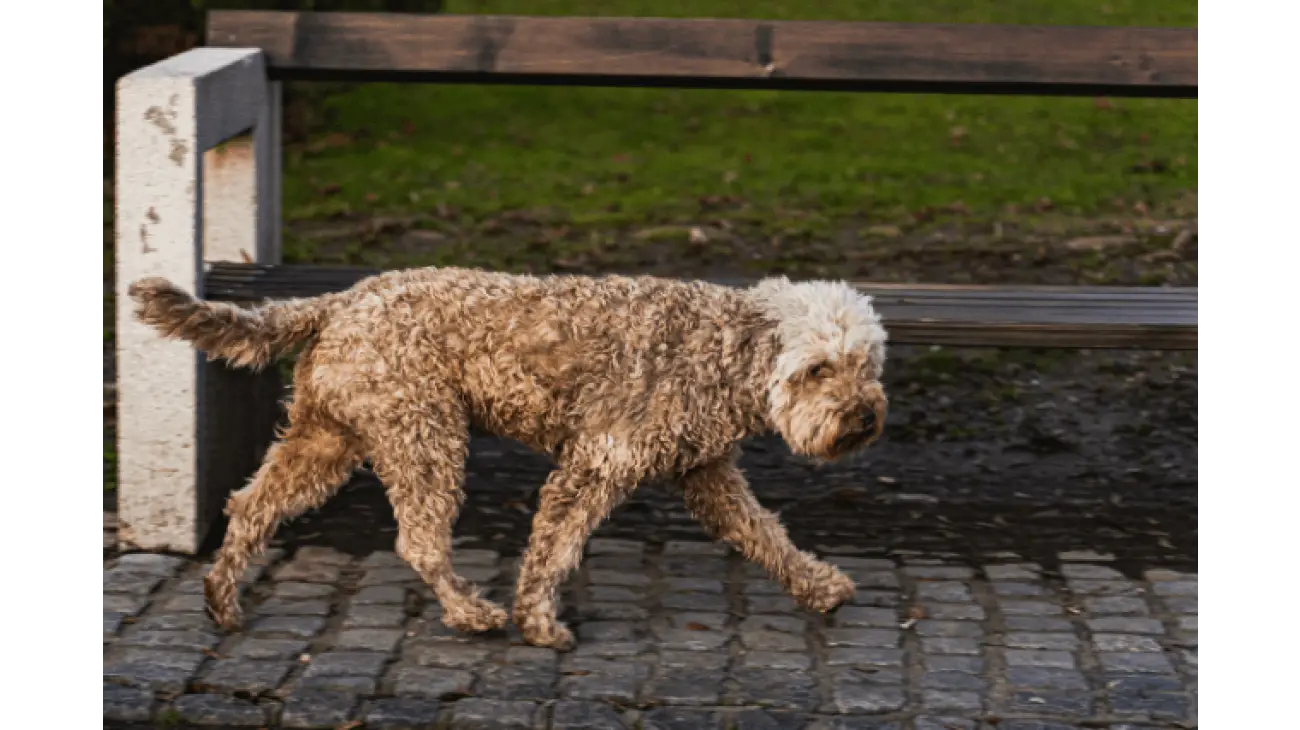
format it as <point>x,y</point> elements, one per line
<point>1143,317</point>
<point>712,53</point>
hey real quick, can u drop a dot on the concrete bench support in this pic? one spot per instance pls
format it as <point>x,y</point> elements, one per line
<point>189,431</point>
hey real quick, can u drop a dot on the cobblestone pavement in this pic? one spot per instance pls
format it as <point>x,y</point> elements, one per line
<point>1007,615</point>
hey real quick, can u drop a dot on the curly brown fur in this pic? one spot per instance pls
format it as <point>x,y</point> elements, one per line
<point>621,380</point>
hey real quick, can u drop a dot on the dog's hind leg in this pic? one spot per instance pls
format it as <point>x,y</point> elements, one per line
<point>422,465</point>
<point>717,495</point>
<point>572,505</point>
<point>310,462</point>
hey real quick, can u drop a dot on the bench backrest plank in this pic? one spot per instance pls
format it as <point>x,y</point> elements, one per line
<point>711,53</point>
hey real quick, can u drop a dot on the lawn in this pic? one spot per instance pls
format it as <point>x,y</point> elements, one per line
<point>613,157</point>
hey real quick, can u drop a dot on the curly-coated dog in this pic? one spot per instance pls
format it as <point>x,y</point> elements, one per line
<point>621,380</point>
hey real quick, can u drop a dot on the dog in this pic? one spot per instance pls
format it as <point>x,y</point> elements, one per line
<point>619,379</point>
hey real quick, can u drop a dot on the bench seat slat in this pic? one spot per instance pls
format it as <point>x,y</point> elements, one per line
<point>718,53</point>
<point>1083,317</point>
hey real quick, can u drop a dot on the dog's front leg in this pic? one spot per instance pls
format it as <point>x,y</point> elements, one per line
<point>572,505</point>
<point>717,495</point>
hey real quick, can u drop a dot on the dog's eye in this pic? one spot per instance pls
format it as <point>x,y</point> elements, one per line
<point>816,371</point>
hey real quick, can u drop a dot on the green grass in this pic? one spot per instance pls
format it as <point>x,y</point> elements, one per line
<point>789,160</point>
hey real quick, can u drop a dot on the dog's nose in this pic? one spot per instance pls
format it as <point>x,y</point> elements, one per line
<point>869,419</point>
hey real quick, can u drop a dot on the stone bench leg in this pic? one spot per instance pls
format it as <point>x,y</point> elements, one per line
<point>189,431</point>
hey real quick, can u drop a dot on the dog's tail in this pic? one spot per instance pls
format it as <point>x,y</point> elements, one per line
<point>244,337</point>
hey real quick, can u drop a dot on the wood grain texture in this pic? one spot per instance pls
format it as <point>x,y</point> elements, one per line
<point>974,316</point>
<point>710,53</point>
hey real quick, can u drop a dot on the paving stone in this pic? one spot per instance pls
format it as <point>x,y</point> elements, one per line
<point>683,687</point>
<point>613,546</point>
<point>112,622</point>
<point>1155,706</point>
<point>696,621</point>
<point>1126,625</point>
<point>128,605</point>
<point>1010,607</point>
<point>781,604</point>
<point>176,622</point>
<point>765,720</point>
<point>865,616</point>
<point>620,688</point>
<point>1011,590</point>
<point>939,572</point>
<point>953,663</point>
<point>681,584</point>
<point>851,722</point>
<point>1104,588</point>
<point>219,710</point>
<point>611,611</point>
<point>614,593</point>
<point>1135,662</point>
<point>180,603</point>
<point>775,660</point>
<point>689,640</point>
<point>705,602</point>
<point>930,627</point>
<point>295,590</point>
<point>435,682</point>
<point>382,559</point>
<point>161,671</point>
<point>127,704</point>
<point>936,699</point>
<point>874,580</point>
<point>865,657</point>
<point>450,654</point>
<point>571,715</point>
<point>478,574</point>
<point>882,638</point>
<point>775,689</point>
<point>950,645</point>
<point>1046,678</point>
<point>754,587</point>
<point>952,611</point>
<point>121,580</point>
<point>943,723</point>
<point>179,640</point>
<point>1036,725</point>
<point>1162,574</point>
<point>317,709</point>
<point>321,554</point>
<point>1180,604</point>
<point>677,547</point>
<point>156,563</point>
<point>295,626</point>
<point>308,573</point>
<point>615,648</point>
<point>772,641</point>
<point>944,592</point>
<point>379,640</point>
<point>1039,624</point>
<point>517,682</point>
<point>1032,640</point>
<point>1116,605</point>
<point>870,597</point>
<point>245,676</point>
<point>679,718</point>
<point>402,713</point>
<point>1052,703</point>
<point>346,664</point>
<point>375,617</point>
<point>1090,572</point>
<point>365,686</point>
<point>475,556</point>
<point>534,656</point>
<point>268,649</point>
<point>693,660</point>
<point>1013,572</point>
<point>853,698</point>
<point>389,576</point>
<point>1084,556</point>
<point>616,578</point>
<point>1142,684</point>
<point>784,624</point>
<point>1034,658</point>
<point>1185,623</point>
<point>953,681</point>
<point>607,631</point>
<point>694,566</point>
<point>1124,642</point>
<point>281,607</point>
<point>380,596</point>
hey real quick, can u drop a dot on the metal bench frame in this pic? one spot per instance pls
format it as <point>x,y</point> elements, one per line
<point>198,187</point>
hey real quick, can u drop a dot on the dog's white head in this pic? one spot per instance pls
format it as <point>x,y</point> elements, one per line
<point>824,394</point>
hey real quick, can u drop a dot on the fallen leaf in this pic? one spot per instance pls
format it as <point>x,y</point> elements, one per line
<point>886,480</point>
<point>350,725</point>
<point>371,197</point>
<point>916,613</point>
<point>576,673</point>
<point>694,626</point>
<point>697,236</point>
<point>1103,103</point>
<point>244,255</point>
<point>1044,204</point>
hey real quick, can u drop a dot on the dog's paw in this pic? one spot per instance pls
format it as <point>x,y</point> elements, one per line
<point>826,589</point>
<point>475,616</point>
<point>222,606</point>
<point>549,634</point>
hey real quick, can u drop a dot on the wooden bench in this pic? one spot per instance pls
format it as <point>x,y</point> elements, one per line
<point>190,431</point>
